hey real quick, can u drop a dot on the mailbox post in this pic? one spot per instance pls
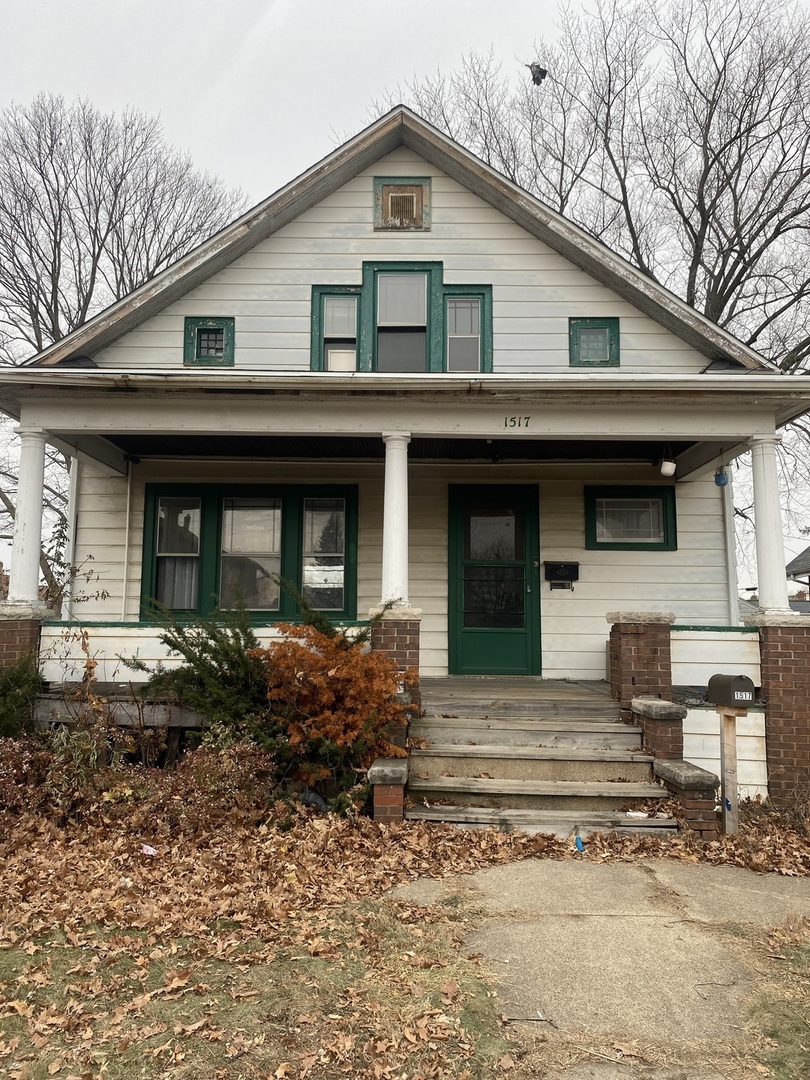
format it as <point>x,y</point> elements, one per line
<point>731,694</point>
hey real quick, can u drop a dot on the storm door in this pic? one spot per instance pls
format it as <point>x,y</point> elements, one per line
<point>494,595</point>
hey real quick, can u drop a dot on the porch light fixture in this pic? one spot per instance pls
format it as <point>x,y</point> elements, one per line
<point>668,465</point>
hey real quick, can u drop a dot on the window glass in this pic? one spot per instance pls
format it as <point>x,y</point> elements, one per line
<point>251,553</point>
<point>178,549</point>
<point>402,300</point>
<point>638,521</point>
<point>463,334</point>
<point>493,534</point>
<point>323,554</point>
<point>340,316</point>
<point>594,344</point>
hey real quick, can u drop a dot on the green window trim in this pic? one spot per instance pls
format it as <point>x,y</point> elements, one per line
<point>195,328</point>
<point>438,293</point>
<point>381,183</point>
<point>666,496</point>
<point>320,294</point>
<point>577,328</point>
<point>212,497</point>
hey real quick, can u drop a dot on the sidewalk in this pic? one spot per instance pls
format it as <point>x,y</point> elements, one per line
<point>647,962</point>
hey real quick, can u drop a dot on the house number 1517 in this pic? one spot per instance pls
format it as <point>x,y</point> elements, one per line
<point>516,421</point>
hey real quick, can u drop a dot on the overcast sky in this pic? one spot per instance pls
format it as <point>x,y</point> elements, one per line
<point>256,90</point>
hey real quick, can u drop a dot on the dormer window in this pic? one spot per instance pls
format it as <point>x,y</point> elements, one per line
<point>208,342</point>
<point>402,203</point>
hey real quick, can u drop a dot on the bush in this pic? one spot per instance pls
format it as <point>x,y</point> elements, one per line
<point>332,704</point>
<point>19,686</point>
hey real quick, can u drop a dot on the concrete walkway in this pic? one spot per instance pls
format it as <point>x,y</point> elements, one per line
<point>639,970</point>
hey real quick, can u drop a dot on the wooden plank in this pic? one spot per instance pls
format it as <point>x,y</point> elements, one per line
<point>528,753</point>
<point>728,768</point>
<point>618,790</point>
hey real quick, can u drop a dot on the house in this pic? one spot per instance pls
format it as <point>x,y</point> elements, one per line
<point>401,379</point>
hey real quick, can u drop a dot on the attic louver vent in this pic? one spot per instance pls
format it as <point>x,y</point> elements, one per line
<point>402,203</point>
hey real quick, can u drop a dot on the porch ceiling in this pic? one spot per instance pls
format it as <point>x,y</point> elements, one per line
<point>335,448</point>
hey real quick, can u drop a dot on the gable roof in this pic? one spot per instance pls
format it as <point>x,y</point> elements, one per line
<point>800,566</point>
<point>402,127</point>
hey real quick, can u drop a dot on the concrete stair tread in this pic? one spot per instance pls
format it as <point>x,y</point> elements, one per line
<point>530,753</point>
<point>602,788</point>
<point>557,822</point>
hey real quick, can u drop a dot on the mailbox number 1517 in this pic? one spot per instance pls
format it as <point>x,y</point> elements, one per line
<point>516,421</point>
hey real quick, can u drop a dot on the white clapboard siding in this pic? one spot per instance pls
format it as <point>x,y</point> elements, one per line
<point>689,582</point>
<point>535,290</point>
<point>699,654</point>
<point>701,746</point>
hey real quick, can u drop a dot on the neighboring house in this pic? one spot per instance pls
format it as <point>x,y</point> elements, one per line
<point>798,569</point>
<point>402,378</point>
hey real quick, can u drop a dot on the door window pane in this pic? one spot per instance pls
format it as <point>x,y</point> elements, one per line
<point>250,553</point>
<point>493,534</point>
<point>323,554</point>
<point>178,550</point>
<point>494,597</point>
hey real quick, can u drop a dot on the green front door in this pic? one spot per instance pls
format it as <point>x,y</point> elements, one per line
<point>494,594</point>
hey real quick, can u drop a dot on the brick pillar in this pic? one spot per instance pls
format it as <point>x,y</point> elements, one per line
<point>661,723</point>
<point>388,778</point>
<point>785,659</point>
<point>695,789</point>
<point>397,635</point>
<point>19,637</point>
<point>640,656</point>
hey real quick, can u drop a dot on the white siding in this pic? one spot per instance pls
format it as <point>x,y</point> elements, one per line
<point>535,290</point>
<point>701,746</point>
<point>690,581</point>
<point>697,655</point>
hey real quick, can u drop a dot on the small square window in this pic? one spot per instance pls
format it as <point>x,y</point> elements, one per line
<point>208,342</point>
<point>630,519</point>
<point>593,342</point>
<point>402,203</point>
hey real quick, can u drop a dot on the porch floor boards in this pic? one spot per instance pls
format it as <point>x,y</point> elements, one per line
<point>539,755</point>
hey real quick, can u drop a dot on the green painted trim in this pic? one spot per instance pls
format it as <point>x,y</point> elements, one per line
<point>575,326</point>
<point>412,181</point>
<point>292,515</point>
<point>193,325</point>
<point>316,339</point>
<point>719,629</point>
<point>606,491</point>
<point>458,495</point>
<point>438,294</point>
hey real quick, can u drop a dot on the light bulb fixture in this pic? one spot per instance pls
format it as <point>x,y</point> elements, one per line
<point>668,465</point>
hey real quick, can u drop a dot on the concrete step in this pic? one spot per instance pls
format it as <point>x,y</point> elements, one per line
<point>531,794</point>
<point>530,763</point>
<point>557,822</point>
<point>514,731</point>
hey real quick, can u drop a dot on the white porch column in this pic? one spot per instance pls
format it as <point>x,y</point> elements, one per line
<point>771,580</point>
<point>23,587</point>
<point>395,520</point>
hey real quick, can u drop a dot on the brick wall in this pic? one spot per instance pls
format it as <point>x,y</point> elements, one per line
<point>786,690</point>
<point>661,724</point>
<point>18,637</point>
<point>640,662</point>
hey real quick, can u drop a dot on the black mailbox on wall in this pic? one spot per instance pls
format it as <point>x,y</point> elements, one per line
<point>735,690</point>
<point>561,571</point>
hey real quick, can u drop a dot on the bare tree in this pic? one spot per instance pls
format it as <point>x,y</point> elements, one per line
<point>679,133</point>
<point>92,205</point>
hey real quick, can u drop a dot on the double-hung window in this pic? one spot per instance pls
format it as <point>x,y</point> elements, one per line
<point>212,544</point>
<point>405,319</point>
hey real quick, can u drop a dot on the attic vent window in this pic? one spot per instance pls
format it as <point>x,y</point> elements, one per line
<point>208,342</point>
<point>402,203</point>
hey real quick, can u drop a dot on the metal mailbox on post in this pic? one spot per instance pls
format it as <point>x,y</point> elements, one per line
<point>731,694</point>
